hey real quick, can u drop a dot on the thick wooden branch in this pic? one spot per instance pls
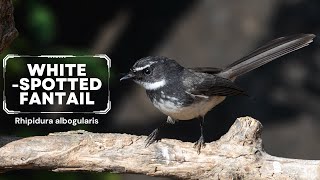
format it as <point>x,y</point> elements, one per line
<point>237,154</point>
<point>8,32</point>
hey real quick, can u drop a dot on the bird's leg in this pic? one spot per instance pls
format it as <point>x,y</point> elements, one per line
<point>154,136</point>
<point>170,120</point>
<point>200,143</point>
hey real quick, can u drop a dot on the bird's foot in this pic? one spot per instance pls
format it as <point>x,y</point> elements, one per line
<point>199,144</point>
<point>153,137</point>
<point>170,120</point>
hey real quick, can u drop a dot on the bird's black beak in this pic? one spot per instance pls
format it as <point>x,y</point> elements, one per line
<point>128,76</point>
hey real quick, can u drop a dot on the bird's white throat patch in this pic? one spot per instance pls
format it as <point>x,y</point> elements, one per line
<point>152,85</point>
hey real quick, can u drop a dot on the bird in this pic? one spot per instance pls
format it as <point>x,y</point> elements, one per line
<point>190,93</point>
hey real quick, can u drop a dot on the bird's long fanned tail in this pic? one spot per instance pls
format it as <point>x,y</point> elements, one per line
<point>266,53</point>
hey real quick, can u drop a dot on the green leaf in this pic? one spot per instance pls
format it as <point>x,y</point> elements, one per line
<point>41,23</point>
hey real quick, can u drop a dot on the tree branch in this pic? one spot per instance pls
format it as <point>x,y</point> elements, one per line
<point>8,32</point>
<point>237,154</point>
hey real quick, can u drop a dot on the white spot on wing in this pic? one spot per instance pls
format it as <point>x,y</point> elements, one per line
<point>194,95</point>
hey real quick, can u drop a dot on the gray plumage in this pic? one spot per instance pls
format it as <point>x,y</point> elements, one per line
<point>187,93</point>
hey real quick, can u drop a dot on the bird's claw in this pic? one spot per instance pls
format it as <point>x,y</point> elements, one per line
<point>199,144</point>
<point>153,137</point>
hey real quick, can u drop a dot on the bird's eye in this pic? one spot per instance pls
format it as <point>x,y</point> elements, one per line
<point>147,71</point>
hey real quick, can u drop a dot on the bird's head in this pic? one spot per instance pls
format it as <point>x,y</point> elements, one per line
<point>154,72</point>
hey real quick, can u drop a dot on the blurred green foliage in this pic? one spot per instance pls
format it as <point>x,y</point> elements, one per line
<point>41,20</point>
<point>38,35</point>
<point>41,32</point>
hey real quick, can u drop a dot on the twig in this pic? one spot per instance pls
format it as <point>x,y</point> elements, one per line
<point>237,154</point>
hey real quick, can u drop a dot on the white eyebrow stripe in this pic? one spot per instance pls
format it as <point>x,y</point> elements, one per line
<point>141,68</point>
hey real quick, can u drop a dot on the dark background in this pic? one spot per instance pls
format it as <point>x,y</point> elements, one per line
<point>284,94</point>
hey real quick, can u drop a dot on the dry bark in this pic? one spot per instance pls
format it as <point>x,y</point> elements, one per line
<point>238,155</point>
<point>8,32</point>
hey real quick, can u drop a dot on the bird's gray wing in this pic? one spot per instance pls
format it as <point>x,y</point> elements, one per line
<point>208,70</point>
<point>211,85</point>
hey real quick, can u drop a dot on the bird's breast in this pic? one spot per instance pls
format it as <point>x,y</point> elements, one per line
<point>184,107</point>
